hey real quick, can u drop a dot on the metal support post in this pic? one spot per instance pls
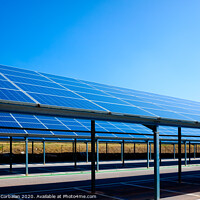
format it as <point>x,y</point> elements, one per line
<point>194,151</point>
<point>179,155</point>
<point>189,153</point>
<point>122,152</point>
<point>174,151</point>
<point>32,150</point>
<point>106,150</point>
<point>97,155</point>
<point>87,152</point>
<point>11,154</point>
<point>106,147</point>
<point>26,144</point>
<point>44,152</point>
<point>160,151</point>
<point>93,156</point>
<point>156,164</point>
<point>185,153</point>
<point>148,154</point>
<point>134,148</point>
<point>75,155</point>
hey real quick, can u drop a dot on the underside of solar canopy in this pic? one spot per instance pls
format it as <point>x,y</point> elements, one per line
<point>40,89</point>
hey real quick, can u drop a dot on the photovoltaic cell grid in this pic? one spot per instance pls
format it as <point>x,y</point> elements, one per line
<point>29,86</point>
<point>43,122</point>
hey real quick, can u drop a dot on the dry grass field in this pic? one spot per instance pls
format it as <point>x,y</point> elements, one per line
<point>58,147</point>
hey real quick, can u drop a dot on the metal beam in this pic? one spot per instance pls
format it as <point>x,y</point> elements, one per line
<point>93,156</point>
<point>11,155</point>
<point>57,111</point>
<point>72,131</point>
<point>26,144</point>
<point>156,164</point>
<point>67,136</point>
<point>78,136</point>
<point>179,155</point>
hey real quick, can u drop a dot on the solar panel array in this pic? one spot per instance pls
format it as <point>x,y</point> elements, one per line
<point>34,87</point>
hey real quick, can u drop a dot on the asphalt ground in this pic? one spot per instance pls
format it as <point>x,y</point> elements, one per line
<point>133,181</point>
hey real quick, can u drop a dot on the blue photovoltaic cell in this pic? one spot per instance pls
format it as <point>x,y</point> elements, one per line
<point>126,108</point>
<point>49,91</point>
<point>15,69</point>
<point>82,89</point>
<point>61,78</point>
<point>105,98</point>
<point>62,91</point>
<point>13,72</point>
<point>65,101</point>
<point>71,124</point>
<point>29,81</point>
<point>6,85</point>
<point>13,95</point>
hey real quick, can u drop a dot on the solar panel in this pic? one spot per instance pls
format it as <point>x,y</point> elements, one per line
<point>29,86</point>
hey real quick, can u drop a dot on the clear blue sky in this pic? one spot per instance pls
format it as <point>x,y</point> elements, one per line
<point>145,45</point>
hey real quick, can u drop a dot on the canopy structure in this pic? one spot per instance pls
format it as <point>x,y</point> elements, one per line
<point>40,105</point>
<point>21,85</point>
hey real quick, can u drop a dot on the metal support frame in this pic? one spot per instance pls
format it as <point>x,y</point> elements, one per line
<point>32,151</point>
<point>26,144</point>
<point>174,151</point>
<point>179,155</point>
<point>122,153</point>
<point>43,152</point>
<point>194,151</point>
<point>93,156</point>
<point>189,153</point>
<point>185,153</point>
<point>147,153</point>
<point>160,152</point>
<point>75,154</point>
<point>156,164</point>
<point>87,152</point>
<point>106,147</point>
<point>150,151</point>
<point>57,111</point>
<point>11,155</point>
<point>97,145</point>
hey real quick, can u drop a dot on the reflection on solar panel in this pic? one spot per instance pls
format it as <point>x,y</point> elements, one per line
<point>29,86</point>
